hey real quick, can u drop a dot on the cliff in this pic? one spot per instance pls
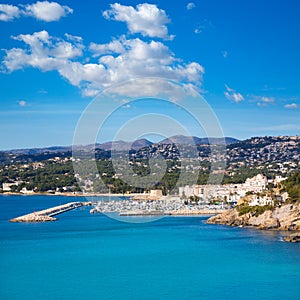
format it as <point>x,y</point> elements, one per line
<point>286,217</point>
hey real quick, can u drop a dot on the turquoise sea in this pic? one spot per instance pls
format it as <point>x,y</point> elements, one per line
<point>84,256</point>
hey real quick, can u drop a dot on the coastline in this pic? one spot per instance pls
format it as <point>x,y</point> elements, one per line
<point>70,194</point>
<point>186,213</point>
<point>285,218</point>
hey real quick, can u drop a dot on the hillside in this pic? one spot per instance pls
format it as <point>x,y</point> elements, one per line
<point>52,168</point>
<point>292,186</point>
<point>279,216</point>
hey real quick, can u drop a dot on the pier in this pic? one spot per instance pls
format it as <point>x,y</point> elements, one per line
<point>47,215</point>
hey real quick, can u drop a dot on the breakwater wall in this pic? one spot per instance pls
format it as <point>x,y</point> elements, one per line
<point>46,215</point>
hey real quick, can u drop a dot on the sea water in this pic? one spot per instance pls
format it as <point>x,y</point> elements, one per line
<point>91,256</point>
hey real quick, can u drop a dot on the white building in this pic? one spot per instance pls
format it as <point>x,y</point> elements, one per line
<point>25,191</point>
<point>228,192</point>
<point>155,194</point>
<point>256,184</point>
<point>278,179</point>
<point>6,187</point>
<point>260,201</point>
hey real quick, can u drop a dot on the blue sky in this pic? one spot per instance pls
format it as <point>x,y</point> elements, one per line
<point>241,56</point>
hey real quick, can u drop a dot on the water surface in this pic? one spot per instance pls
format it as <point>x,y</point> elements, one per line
<point>90,256</point>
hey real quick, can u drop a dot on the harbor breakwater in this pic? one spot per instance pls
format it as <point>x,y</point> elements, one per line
<point>46,215</point>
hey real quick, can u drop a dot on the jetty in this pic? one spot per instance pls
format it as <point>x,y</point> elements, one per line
<point>47,215</point>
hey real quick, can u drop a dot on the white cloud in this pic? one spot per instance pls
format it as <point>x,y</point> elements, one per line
<point>99,66</point>
<point>47,11</point>
<point>73,38</point>
<point>22,103</point>
<point>232,95</point>
<point>119,60</point>
<point>41,10</point>
<point>115,46</point>
<point>155,87</point>
<point>264,101</point>
<point>261,101</point>
<point>292,106</point>
<point>225,54</point>
<point>190,6</point>
<point>46,53</point>
<point>9,12</point>
<point>146,19</point>
<point>267,99</point>
<point>203,26</point>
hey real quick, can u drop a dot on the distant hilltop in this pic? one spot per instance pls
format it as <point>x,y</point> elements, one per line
<point>135,145</point>
<point>230,142</point>
<point>194,140</point>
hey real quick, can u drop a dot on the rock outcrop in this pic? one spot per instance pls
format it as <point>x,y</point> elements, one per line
<point>286,217</point>
<point>293,238</point>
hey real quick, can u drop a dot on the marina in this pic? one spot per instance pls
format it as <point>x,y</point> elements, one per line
<point>128,207</point>
<point>165,206</point>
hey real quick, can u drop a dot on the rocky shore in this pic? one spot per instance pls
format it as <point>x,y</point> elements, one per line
<point>286,218</point>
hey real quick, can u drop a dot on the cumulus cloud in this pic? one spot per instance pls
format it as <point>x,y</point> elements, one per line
<point>119,60</point>
<point>45,52</point>
<point>9,12</point>
<point>232,95</point>
<point>47,11</point>
<point>96,66</point>
<point>190,6</point>
<point>225,54</point>
<point>292,106</point>
<point>41,10</point>
<point>146,19</point>
<point>115,46</point>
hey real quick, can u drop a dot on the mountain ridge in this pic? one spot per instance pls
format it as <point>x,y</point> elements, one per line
<point>187,140</point>
<point>124,145</point>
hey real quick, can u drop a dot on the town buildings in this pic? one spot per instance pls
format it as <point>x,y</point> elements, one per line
<point>232,193</point>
